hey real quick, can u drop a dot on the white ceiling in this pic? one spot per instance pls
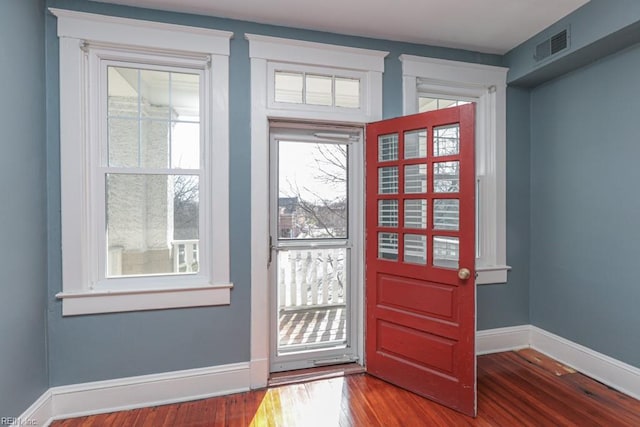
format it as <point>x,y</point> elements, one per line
<point>491,26</point>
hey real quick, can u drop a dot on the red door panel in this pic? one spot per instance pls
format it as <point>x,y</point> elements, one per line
<point>420,255</point>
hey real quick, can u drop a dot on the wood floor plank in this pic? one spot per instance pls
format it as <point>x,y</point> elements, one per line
<point>512,391</point>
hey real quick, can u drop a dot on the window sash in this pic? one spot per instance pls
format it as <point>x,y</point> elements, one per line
<point>101,59</point>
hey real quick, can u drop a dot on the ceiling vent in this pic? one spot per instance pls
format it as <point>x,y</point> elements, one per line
<point>552,45</point>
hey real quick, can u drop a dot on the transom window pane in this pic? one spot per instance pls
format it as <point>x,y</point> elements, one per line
<point>446,251</point>
<point>388,147</point>
<point>318,90</point>
<point>415,178</point>
<point>388,180</point>
<point>153,118</point>
<point>152,224</point>
<point>446,140</point>
<point>446,177</point>
<point>288,87</point>
<point>446,214</point>
<point>415,144</point>
<point>347,92</point>
<point>415,249</point>
<point>388,213</point>
<point>388,246</point>
<point>415,213</point>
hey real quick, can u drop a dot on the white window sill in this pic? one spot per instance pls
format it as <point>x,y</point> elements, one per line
<point>115,301</point>
<point>492,274</point>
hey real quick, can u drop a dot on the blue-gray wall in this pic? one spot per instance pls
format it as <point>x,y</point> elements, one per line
<point>585,206</point>
<point>88,348</point>
<point>23,233</point>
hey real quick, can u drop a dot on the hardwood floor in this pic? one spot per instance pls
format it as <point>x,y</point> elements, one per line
<point>514,389</point>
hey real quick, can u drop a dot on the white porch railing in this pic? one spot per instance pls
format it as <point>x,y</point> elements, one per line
<point>311,278</point>
<point>186,256</point>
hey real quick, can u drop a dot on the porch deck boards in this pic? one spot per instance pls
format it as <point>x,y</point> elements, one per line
<point>314,326</point>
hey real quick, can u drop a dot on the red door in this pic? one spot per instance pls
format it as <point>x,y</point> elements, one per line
<point>420,222</point>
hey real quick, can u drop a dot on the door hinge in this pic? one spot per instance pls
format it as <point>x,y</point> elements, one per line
<point>270,251</point>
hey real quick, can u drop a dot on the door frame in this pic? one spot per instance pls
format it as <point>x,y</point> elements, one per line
<point>356,224</point>
<point>264,51</point>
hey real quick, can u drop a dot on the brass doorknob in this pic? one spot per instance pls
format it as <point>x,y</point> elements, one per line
<point>464,273</point>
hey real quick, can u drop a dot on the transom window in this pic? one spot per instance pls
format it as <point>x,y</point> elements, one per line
<point>316,89</point>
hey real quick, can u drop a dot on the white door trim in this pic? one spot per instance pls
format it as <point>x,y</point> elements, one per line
<point>263,50</point>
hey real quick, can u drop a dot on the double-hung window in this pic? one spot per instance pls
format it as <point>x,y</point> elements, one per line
<point>430,84</point>
<point>144,164</point>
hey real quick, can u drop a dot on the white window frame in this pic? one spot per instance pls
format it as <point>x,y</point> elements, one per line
<point>86,40</point>
<point>485,85</point>
<point>265,50</point>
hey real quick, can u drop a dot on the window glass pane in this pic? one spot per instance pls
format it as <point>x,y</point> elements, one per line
<point>388,180</point>
<point>154,94</point>
<point>312,190</point>
<point>446,177</point>
<point>415,213</point>
<point>387,213</point>
<point>318,90</point>
<point>185,145</point>
<point>122,89</point>
<point>415,144</point>
<point>388,147</point>
<point>415,249</point>
<point>415,179</point>
<point>446,140</point>
<point>347,92</point>
<point>185,97</point>
<point>123,140</point>
<point>388,246</point>
<point>288,87</point>
<point>152,224</point>
<point>154,143</point>
<point>446,214</point>
<point>446,251</point>
<point>426,103</point>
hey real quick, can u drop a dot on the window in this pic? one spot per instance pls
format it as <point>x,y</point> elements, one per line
<point>430,84</point>
<point>300,87</point>
<point>144,155</point>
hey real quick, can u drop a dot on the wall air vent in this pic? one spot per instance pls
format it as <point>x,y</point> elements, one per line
<point>552,45</point>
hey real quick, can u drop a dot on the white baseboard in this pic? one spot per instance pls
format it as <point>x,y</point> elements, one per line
<point>136,392</point>
<point>179,386</point>
<point>38,414</point>
<point>612,372</point>
<point>502,339</point>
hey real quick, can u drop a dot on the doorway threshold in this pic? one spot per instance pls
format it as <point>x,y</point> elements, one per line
<point>312,374</point>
